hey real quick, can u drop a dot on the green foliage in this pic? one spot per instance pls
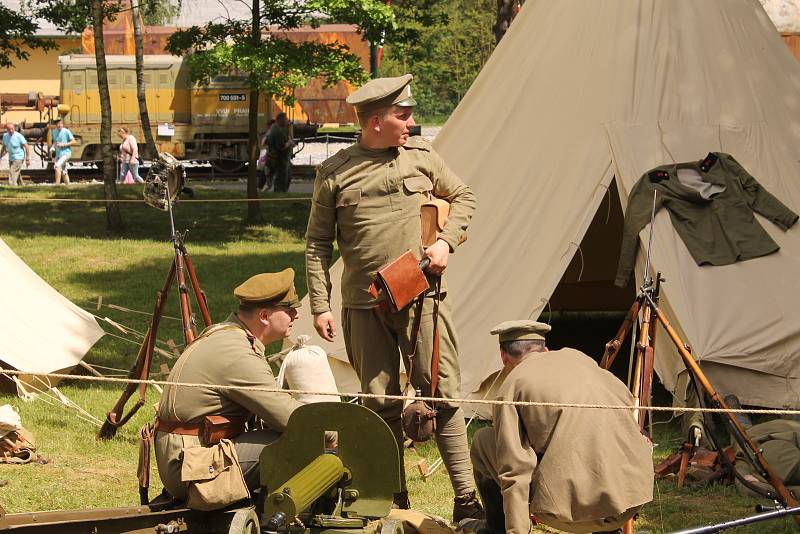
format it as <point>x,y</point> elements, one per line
<point>18,32</point>
<point>78,16</point>
<point>158,12</point>
<point>277,65</point>
<point>444,44</point>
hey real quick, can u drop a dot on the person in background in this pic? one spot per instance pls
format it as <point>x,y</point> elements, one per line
<point>265,179</point>
<point>128,155</point>
<point>62,141</point>
<point>279,153</point>
<point>19,151</point>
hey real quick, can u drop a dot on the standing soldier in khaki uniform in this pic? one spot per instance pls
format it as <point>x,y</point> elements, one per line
<point>229,353</point>
<point>574,469</point>
<point>367,197</point>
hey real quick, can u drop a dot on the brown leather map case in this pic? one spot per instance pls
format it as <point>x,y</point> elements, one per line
<point>402,281</point>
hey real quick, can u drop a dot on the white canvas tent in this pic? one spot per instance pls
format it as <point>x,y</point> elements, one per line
<point>41,331</point>
<point>582,94</point>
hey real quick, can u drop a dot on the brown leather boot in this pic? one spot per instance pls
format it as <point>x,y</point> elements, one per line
<point>466,506</point>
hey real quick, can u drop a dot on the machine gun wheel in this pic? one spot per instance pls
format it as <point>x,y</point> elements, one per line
<point>244,521</point>
<point>391,526</point>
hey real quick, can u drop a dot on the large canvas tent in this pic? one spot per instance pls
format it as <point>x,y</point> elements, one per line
<point>41,331</point>
<point>576,103</point>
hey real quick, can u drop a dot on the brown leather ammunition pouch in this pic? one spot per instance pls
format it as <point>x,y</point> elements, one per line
<point>419,421</point>
<point>399,282</point>
<point>215,428</point>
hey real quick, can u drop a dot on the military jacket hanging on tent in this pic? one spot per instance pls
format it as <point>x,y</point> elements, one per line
<point>711,204</point>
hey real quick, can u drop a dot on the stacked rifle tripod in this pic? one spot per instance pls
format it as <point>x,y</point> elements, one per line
<point>646,304</point>
<point>163,185</point>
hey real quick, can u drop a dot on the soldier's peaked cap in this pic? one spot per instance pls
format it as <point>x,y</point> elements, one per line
<point>517,330</point>
<point>383,92</point>
<point>269,289</point>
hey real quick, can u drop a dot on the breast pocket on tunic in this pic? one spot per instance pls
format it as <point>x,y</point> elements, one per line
<point>348,197</point>
<point>417,184</point>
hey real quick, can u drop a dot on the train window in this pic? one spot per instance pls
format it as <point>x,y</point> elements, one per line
<point>77,80</point>
<point>223,78</point>
<point>148,79</point>
<point>113,78</point>
<point>163,78</point>
<point>129,79</point>
<point>91,79</point>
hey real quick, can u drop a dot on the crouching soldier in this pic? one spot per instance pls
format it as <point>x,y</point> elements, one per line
<point>191,419</point>
<point>574,469</point>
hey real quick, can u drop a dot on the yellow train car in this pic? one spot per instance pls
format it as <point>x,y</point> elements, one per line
<point>203,123</point>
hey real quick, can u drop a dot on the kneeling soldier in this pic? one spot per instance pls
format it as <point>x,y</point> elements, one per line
<point>228,353</point>
<point>574,469</point>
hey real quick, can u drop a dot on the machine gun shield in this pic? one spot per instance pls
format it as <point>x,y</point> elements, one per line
<point>366,447</point>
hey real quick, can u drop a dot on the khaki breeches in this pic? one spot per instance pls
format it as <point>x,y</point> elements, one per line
<point>374,343</point>
<point>484,462</point>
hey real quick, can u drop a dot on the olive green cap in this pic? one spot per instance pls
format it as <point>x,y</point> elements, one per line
<point>383,92</point>
<point>524,329</point>
<point>269,289</point>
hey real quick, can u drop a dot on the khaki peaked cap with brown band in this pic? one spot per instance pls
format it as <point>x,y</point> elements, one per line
<point>518,330</point>
<point>269,289</point>
<point>382,93</point>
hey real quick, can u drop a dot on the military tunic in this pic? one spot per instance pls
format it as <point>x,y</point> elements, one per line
<point>717,229</point>
<point>369,201</point>
<point>229,355</point>
<point>575,469</point>
<point>779,441</point>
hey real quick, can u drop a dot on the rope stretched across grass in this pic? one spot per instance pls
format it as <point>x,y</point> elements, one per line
<point>226,387</point>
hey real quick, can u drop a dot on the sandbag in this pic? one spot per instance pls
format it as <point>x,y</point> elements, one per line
<point>306,367</point>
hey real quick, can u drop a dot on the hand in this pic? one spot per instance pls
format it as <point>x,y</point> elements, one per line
<point>325,325</point>
<point>438,254</point>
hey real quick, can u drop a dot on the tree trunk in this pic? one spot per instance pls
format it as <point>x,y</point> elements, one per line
<point>150,150</point>
<point>113,214</point>
<point>253,208</point>
<point>506,9</point>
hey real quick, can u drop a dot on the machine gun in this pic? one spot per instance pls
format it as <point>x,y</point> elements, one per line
<point>306,488</point>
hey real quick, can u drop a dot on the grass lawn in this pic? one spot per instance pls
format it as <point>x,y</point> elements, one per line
<point>67,245</point>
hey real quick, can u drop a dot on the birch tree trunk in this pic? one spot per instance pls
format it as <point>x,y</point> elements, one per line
<point>113,214</point>
<point>253,208</point>
<point>150,144</point>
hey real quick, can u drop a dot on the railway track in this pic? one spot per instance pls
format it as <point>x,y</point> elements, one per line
<point>89,173</point>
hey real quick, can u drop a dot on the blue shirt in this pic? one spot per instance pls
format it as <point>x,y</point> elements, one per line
<point>14,145</point>
<point>62,136</point>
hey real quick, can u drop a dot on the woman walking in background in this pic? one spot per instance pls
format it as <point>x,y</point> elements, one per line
<point>128,155</point>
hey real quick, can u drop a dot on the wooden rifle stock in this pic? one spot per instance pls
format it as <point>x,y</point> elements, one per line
<point>740,433</point>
